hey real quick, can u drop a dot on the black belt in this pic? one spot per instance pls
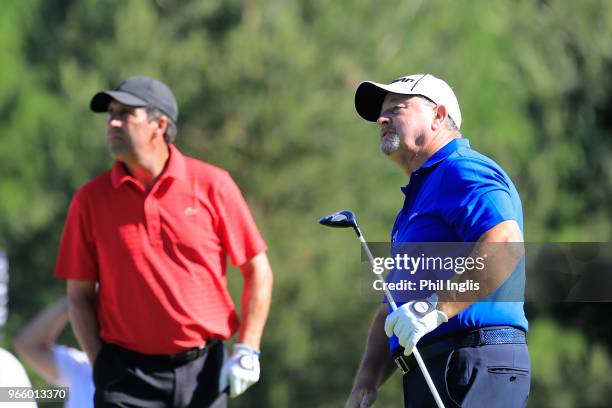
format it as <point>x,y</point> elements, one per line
<point>480,337</point>
<point>177,358</point>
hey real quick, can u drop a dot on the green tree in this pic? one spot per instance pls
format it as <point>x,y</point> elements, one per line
<point>266,91</point>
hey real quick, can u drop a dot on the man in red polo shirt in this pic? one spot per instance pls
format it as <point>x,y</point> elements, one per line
<point>153,234</point>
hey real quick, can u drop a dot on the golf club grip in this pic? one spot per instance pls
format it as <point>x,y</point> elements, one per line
<point>419,360</point>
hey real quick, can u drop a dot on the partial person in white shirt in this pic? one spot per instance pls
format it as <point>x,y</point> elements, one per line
<point>59,365</point>
<point>12,373</point>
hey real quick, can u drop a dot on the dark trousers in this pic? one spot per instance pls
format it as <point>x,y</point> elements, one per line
<point>492,376</point>
<point>127,379</point>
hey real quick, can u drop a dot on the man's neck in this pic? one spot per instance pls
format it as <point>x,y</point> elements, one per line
<point>435,143</point>
<point>147,169</point>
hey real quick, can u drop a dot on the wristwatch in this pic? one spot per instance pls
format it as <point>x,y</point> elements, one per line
<point>422,307</point>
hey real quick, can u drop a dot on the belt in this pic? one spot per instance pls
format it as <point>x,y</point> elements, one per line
<point>481,337</point>
<point>177,358</point>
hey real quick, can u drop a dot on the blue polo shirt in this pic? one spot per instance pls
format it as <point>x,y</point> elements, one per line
<point>456,196</point>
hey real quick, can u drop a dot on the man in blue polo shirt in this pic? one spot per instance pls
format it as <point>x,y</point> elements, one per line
<point>474,348</point>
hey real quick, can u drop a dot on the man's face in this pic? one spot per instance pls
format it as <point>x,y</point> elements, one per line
<point>404,121</point>
<point>128,132</point>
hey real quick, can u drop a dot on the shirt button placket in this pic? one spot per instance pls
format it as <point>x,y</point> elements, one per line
<point>152,217</point>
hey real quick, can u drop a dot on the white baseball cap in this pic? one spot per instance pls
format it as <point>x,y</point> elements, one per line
<point>369,95</point>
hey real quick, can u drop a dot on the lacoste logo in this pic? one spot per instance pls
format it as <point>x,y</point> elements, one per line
<point>190,211</point>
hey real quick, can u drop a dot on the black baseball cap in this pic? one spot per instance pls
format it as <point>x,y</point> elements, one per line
<point>138,91</point>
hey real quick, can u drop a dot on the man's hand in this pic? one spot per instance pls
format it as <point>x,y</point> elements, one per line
<point>361,397</point>
<point>240,371</point>
<point>410,327</point>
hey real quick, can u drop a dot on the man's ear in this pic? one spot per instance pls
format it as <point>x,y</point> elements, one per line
<point>162,125</point>
<point>440,116</point>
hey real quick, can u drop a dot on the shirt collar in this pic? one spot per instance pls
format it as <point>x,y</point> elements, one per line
<point>175,168</point>
<point>445,151</point>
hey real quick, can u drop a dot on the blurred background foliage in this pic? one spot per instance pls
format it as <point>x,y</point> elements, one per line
<point>265,90</point>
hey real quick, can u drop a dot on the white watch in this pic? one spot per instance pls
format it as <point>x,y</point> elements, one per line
<point>423,306</point>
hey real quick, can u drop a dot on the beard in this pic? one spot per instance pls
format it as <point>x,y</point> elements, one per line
<point>390,143</point>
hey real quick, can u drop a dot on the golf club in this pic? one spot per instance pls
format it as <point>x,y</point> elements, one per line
<point>346,219</point>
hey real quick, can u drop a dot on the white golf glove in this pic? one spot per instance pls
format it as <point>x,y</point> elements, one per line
<point>412,321</point>
<point>240,371</point>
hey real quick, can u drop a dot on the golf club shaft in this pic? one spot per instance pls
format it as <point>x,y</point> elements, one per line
<point>416,353</point>
<point>364,245</point>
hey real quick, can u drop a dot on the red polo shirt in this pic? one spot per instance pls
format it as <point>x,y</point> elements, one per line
<point>160,257</point>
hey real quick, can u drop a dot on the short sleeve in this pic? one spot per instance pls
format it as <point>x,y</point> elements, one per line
<point>476,197</point>
<point>77,258</point>
<point>237,229</point>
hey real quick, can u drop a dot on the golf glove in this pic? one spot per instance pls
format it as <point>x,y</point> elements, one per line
<point>240,371</point>
<point>409,324</point>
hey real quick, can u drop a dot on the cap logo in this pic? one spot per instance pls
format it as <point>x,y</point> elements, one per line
<point>403,79</point>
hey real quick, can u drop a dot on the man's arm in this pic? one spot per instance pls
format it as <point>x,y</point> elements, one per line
<point>83,318</point>
<point>500,248</point>
<point>376,365</point>
<point>503,246</point>
<point>34,343</point>
<point>256,298</point>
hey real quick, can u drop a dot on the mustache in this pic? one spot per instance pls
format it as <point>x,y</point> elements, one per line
<point>386,130</point>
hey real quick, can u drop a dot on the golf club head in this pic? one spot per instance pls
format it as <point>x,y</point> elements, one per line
<point>341,219</point>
